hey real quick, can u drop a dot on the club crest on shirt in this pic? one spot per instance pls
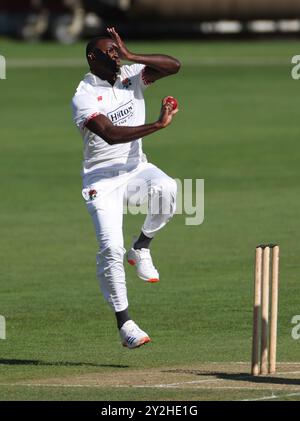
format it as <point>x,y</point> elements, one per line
<point>126,83</point>
<point>92,194</point>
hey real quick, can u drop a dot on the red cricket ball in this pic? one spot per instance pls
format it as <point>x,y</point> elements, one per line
<point>171,101</point>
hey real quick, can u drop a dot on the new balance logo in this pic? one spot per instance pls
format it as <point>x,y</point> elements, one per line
<point>130,340</point>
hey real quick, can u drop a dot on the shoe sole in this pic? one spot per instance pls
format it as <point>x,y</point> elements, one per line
<point>151,280</point>
<point>142,342</point>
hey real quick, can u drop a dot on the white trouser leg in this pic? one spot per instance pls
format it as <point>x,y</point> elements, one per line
<point>107,214</point>
<point>161,191</point>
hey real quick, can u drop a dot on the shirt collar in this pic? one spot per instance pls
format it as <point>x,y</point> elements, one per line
<point>96,81</point>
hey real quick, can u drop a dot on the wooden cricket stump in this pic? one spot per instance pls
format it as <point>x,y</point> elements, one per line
<point>264,340</point>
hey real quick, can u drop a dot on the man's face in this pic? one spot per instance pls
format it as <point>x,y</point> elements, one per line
<point>107,56</point>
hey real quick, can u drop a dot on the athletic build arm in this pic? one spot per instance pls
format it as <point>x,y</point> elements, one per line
<point>103,127</point>
<point>157,65</point>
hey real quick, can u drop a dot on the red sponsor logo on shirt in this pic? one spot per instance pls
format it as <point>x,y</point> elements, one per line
<point>99,98</point>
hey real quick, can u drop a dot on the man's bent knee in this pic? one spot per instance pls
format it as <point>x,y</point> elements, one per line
<point>163,197</point>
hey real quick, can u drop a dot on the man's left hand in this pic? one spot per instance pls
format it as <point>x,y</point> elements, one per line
<point>124,53</point>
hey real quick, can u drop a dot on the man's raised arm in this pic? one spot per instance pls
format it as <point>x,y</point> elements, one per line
<point>157,65</point>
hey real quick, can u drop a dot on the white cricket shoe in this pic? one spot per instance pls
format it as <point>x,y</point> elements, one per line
<point>132,336</point>
<point>142,260</point>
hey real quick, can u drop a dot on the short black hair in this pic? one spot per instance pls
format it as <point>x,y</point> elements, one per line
<point>92,44</point>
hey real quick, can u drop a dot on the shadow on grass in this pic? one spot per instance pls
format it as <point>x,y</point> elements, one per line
<point>57,363</point>
<point>243,377</point>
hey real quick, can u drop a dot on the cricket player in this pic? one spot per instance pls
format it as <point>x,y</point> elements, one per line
<point>109,111</point>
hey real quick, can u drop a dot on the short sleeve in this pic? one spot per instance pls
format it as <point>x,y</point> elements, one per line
<point>84,108</point>
<point>137,71</point>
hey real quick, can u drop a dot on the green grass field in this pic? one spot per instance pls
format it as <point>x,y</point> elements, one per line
<point>238,129</point>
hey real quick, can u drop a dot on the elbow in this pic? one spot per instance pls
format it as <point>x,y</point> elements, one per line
<point>109,138</point>
<point>176,66</point>
<point>111,134</point>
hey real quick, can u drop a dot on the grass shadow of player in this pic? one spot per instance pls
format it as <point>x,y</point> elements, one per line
<point>12,362</point>
<point>239,377</point>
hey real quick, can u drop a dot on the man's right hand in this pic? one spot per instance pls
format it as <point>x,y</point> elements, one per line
<point>166,113</point>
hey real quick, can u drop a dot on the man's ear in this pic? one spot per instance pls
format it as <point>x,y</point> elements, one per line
<point>92,56</point>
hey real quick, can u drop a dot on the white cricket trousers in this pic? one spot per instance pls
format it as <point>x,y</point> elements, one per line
<point>105,201</point>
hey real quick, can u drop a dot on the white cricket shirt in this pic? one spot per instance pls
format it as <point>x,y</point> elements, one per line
<point>124,105</point>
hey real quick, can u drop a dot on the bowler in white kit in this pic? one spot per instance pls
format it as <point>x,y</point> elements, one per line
<point>109,111</point>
